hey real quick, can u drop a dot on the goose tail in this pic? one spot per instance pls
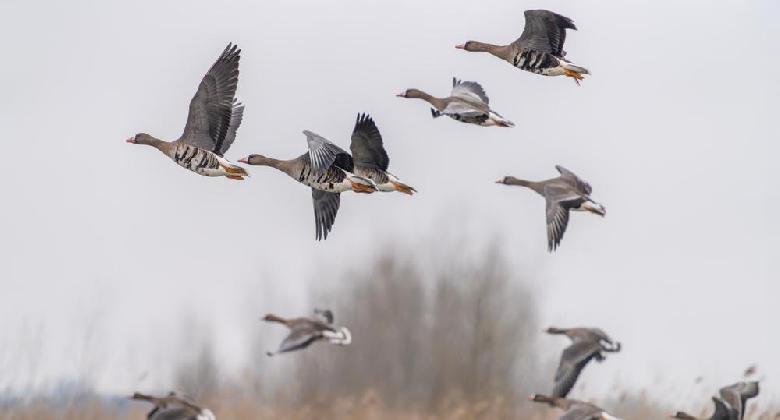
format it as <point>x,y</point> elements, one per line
<point>342,337</point>
<point>499,121</point>
<point>571,67</point>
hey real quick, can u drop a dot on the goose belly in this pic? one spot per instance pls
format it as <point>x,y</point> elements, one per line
<point>538,62</point>
<point>197,160</point>
<point>332,180</point>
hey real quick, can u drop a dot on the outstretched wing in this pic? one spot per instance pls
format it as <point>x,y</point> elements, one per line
<point>323,153</point>
<point>573,360</point>
<point>470,91</point>
<point>582,186</point>
<point>300,337</point>
<point>326,205</point>
<point>366,146</point>
<point>213,111</point>
<point>544,31</point>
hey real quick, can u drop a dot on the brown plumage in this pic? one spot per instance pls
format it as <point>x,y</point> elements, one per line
<point>540,47</point>
<point>587,344</point>
<point>306,331</point>
<point>213,119</point>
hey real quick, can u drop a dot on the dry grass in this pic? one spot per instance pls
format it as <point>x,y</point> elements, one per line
<point>450,340</point>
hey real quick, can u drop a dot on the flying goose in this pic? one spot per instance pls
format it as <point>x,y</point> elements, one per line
<point>736,396</point>
<point>722,412</point>
<point>587,344</point>
<point>328,170</point>
<point>564,193</point>
<point>539,48</point>
<point>370,158</point>
<point>213,120</point>
<point>305,331</point>
<point>467,103</point>
<point>574,409</point>
<point>173,407</point>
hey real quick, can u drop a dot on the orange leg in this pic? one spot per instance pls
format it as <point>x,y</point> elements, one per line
<point>574,75</point>
<point>236,177</point>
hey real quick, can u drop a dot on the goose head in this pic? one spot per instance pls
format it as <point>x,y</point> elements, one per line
<point>507,180</point>
<point>255,160</point>
<point>474,46</point>
<point>411,93</point>
<point>141,138</point>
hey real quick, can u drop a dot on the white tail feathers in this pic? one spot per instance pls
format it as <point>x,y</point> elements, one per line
<point>343,337</point>
<point>498,121</point>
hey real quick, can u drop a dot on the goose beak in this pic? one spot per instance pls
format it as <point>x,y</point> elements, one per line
<point>131,140</point>
<point>461,46</point>
<point>401,95</point>
<point>244,160</point>
<point>500,181</point>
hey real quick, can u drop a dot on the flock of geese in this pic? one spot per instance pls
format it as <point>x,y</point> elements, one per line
<point>213,121</point>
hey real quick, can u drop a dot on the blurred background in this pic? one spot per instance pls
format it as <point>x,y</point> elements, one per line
<point>123,272</point>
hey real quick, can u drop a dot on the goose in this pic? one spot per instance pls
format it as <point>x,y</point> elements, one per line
<point>305,331</point>
<point>564,193</point>
<point>327,170</point>
<point>587,344</point>
<point>173,407</point>
<point>736,396</point>
<point>214,118</point>
<point>467,103</point>
<point>370,158</point>
<point>722,412</point>
<point>574,409</point>
<point>539,48</point>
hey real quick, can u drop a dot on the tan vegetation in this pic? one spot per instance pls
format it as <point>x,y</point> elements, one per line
<point>451,340</point>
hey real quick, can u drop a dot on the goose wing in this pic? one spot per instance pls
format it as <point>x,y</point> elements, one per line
<point>573,360</point>
<point>582,186</point>
<point>544,31</point>
<point>723,411</point>
<point>323,154</point>
<point>326,205</point>
<point>470,109</point>
<point>736,395</point>
<point>366,146</point>
<point>471,91</point>
<point>214,114</point>
<point>582,412</point>
<point>300,337</point>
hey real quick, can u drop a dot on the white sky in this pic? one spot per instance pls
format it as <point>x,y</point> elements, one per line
<point>107,247</point>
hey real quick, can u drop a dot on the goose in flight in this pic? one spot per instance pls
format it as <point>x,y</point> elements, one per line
<point>562,194</point>
<point>539,48</point>
<point>574,409</point>
<point>305,331</point>
<point>467,103</point>
<point>174,407</point>
<point>737,395</point>
<point>722,412</point>
<point>587,344</point>
<point>211,127</point>
<point>328,170</point>
<point>370,158</point>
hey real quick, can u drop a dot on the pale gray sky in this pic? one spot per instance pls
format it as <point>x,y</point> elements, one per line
<point>676,130</point>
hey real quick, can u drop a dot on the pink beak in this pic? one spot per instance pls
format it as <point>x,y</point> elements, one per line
<point>461,46</point>
<point>401,95</point>
<point>244,160</point>
<point>131,140</point>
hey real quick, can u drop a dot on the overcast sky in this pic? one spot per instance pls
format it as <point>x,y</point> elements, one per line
<point>106,247</point>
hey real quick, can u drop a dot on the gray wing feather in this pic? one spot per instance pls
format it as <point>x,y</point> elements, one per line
<point>326,205</point>
<point>581,412</point>
<point>236,116</point>
<point>366,146</point>
<point>463,109</point>
<point>322,152</point>
<point>581,185</point>
<point>723,411</point>
<point>557,221</point>
<point>544,31</point>
<point>300,337</point>
<point>212,108</point>
<point>471,91</point>
<point>573,360</point>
